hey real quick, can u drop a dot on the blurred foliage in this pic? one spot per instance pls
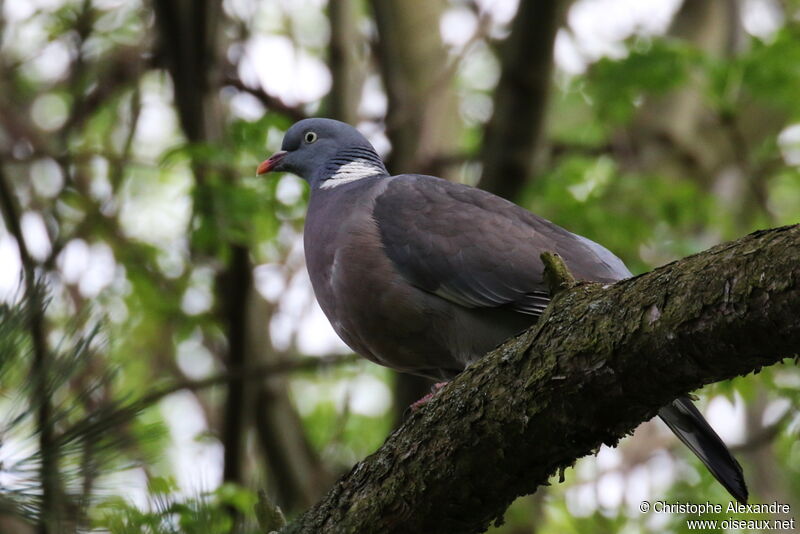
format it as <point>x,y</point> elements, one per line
<point>201,514</point>
<point>616,87</point>
<point>133,225</point>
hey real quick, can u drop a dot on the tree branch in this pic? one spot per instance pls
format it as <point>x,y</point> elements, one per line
<point>269,101</point>
<point>601,360</point>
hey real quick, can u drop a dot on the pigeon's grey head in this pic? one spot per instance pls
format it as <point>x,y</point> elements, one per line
<point>325,153</point>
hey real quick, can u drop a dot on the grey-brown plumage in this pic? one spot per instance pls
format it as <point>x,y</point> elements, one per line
<point>425,276</point>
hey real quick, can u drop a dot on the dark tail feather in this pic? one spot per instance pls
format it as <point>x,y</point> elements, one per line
<point>693,430</point>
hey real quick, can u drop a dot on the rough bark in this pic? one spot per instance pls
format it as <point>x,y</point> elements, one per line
<point>600,361</point>
<point>520,99</point>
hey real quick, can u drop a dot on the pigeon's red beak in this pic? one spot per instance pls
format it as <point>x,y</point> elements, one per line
<point>271,163</point>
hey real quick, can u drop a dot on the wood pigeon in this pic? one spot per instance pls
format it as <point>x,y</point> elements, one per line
<point>426,276</point>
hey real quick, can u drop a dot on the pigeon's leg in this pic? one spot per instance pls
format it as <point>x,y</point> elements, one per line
<point>424,400</point>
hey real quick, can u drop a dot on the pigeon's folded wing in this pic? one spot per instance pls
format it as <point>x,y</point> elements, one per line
<point>478,250</point>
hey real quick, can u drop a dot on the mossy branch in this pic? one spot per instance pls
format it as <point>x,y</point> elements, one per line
<point>602,360</point>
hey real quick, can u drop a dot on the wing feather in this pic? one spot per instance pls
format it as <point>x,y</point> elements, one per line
<point>478,250</point>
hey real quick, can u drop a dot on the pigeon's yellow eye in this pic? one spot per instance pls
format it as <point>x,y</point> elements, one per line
<point>310,137</point>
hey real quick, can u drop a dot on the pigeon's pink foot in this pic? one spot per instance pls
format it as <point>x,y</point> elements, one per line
<point>424,400</point>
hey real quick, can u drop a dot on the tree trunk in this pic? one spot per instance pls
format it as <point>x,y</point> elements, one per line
<point>520,99</point>
<point>345,61</point>
<point>422,119</point>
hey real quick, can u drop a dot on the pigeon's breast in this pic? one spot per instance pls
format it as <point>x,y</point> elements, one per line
<point>377,313</point>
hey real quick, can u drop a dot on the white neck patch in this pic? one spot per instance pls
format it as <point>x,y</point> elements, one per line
<point>350,172</point>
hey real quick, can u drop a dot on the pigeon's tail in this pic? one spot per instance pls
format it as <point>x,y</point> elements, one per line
<point>693,430</point>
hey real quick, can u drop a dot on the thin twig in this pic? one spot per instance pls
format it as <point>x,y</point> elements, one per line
<point>255,372</point>
<point>556,273</point>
